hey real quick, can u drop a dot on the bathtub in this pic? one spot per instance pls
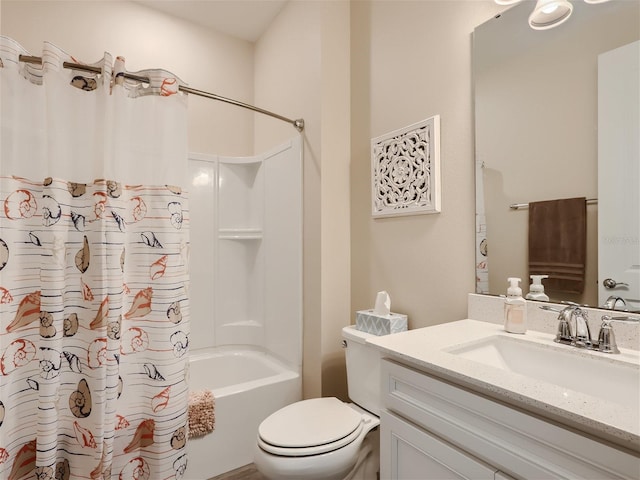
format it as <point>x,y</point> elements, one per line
<point>248,385</point>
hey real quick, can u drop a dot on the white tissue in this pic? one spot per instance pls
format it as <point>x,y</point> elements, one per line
<point>383,304</point>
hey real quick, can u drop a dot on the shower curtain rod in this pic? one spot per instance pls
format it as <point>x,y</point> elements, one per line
<point>298,123</point>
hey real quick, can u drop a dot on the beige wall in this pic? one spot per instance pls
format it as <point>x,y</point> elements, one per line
<point>355,70</point>
<point>412,60</point>
<point>352,70</point>
<point>287,80</point>
<point>207,60</point>
<point>302,70</point>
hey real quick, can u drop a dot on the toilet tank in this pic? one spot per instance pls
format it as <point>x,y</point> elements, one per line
<point>363,370</point>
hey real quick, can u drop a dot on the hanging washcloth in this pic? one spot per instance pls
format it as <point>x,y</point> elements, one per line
<point>558,243</point>
<point>202,418</point>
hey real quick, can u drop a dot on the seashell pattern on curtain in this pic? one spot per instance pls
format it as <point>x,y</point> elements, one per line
<point>94,310</point>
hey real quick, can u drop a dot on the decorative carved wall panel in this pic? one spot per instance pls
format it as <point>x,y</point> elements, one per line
<point>405,170</point>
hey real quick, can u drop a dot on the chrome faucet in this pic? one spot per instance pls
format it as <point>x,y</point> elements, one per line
<point>573,329</point>
<point>611,302</point>
<point>573,326</point>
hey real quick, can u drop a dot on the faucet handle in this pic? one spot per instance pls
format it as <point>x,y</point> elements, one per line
<point>606,338</point>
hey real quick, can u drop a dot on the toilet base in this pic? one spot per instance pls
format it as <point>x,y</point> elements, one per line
<point>357,461</point>
<point>367,466</point>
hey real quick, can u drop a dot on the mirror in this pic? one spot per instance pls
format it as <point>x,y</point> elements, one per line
<point>536,128</point>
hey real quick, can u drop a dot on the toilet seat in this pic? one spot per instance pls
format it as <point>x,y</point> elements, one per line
<point>310,427</point>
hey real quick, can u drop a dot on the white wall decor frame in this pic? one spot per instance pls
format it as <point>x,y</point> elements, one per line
<point>405,170</point>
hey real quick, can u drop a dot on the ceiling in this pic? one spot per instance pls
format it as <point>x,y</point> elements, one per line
<point>244,19</point>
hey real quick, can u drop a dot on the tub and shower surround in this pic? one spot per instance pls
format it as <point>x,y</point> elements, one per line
<point>246,251</point>
<point>248,385</point>
<point>246,296</point>
<point>94,313</point>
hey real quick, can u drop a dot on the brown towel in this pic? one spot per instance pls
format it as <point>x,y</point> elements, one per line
<point>558,243</point>
<point>202,418</point>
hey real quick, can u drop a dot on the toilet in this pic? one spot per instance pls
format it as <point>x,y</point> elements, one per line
<point>326,438</point>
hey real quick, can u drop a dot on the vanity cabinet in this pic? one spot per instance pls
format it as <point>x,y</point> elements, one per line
<point>413,453</point>
<point>432,429</point>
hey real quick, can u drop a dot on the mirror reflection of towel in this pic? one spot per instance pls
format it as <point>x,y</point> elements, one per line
<point>558,243</point>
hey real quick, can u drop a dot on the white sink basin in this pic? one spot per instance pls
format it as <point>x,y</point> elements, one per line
<point>599,375</point>
<point>593,392</point>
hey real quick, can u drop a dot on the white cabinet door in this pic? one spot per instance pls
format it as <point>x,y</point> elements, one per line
<point>524,445</point>
<point>410,453</point>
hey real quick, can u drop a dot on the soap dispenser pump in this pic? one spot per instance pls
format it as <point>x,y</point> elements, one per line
<point>515,308</point>
<point>536,289</point>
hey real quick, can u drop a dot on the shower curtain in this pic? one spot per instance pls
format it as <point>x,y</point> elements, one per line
<point>94,244</point>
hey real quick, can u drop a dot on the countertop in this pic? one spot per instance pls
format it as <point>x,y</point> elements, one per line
<point>428,349</point>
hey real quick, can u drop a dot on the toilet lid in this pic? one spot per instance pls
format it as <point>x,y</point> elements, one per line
<point>310,427</point>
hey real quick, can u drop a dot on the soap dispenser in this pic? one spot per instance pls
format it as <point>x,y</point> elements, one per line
<point>515,308</point>
<point>536,289</point>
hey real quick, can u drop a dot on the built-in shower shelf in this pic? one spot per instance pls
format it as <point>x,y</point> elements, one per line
<point>240,234</point>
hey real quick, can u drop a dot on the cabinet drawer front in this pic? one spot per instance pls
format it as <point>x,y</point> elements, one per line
<point>517,443</point>
<point>410,453</point>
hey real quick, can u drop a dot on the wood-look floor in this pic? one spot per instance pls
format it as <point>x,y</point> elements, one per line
<point>248,472</point>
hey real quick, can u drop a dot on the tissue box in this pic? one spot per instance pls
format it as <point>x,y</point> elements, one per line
<point>369,322</point>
